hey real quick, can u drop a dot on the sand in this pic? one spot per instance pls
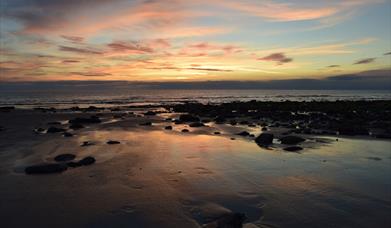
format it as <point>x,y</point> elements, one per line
<point>166,178</point>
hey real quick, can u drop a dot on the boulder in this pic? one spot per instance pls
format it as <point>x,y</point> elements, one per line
<point>188,118</point>
<point>168,127</point>
<point>46,169</point>
<point>76,126</point>
<point>231,220</point>
<point>196,124</point>
<point>81,120</point>
<point>150,113</point>
<point>291,140</point>
<point>54,130</point>
<point>243,133</point>
<point>185,130</point>
<point>146,124</point>
<point>64,157</point>
<point>293,148</point>
<point>87,161</point>
<point>264,139</point>
<point>112,142</point>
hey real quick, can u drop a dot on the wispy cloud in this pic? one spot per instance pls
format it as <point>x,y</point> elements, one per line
<point>333,66</point>
<point>365,61</point>
<point>280,58</point>
<point>79,50</point>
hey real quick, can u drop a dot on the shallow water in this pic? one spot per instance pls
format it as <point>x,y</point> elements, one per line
<point>333,184</point>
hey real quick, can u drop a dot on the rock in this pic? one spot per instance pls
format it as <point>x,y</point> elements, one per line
<point>54,123</point>
<point>74,164</point>
<point>196,124</point>
<point>217,133</point>
<point>87,143</point>
<point>374,158</point>
<point>76,126</point>
<point>150,113</point>
<point>293,148</point>
<point>231,220</point>
<point>244,122</point>
<point>91,120</point>
<point>185,130</point>
<point>87,161</point>
<point>251,135</point>
<point>168,127</point>
<point>6,108</point>
<point>146,124</point>
<point>112,142</point>
<point>291,140</point>
<point>188,118</point>
<point>233,122</point>
<point>206,121</point>
<point>243,133</point>
<point>264,139</point>
<point>45,169</point>
<point>219,120</point>
<point>39,130</point>
<point>64,157</point>
<point>54,130</point>
<point>67,134</point>
<point>264,129</point>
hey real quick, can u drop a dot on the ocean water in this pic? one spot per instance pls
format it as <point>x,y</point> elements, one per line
<point>117,97</point>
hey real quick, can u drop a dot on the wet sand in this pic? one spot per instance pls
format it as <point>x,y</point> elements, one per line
<point>169,178</point>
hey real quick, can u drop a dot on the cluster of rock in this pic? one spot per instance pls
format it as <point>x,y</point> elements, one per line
<point>63,161</point>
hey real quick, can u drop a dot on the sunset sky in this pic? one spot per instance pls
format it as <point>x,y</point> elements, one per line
<point>183,40</point>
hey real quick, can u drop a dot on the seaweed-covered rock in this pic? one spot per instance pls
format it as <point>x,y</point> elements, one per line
<point>291,140</point>
<point>293,148</point>
<point>54,130</point>
<point>189,118</point>
<point>46,168</point>
<point>64,157</point>
<point>264,139</point>
<point>196,124</point>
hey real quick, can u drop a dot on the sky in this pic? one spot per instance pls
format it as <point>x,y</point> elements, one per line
<point>185,40</point>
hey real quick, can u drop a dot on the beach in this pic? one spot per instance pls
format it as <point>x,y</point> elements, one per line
<point>217,173</point>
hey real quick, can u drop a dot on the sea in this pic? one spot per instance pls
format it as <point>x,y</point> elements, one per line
<point>138,97</point>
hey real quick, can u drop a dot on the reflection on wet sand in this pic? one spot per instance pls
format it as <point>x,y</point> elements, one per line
<point>159,178</point>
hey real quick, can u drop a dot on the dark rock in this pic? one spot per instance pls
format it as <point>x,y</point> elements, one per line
<point>185,130</point>
<point>112,142</point>
<point>196,124</point>
<point>291,140</point>
<point>39,130</point>
<point>244,122</point>
<point>293,148</point>
<point>146,124</point>
<point>233,122</point>
<point>87,161</point>
<point>150,113</point>
<point>231,220</point>
<point>264,129</point>
<point>87,143</point>
<point>244,133</point>
<point>54,130</point>
<point>46,169</point>
<point>168,127</point>
<point>74,164</point>
<point>76,126</point>
<point>91,120</point>
<point>264,139</point>
<point>54,123</point>
<point>67,134</point>
<point>6,108</point>
<point>205,121</point>
<point>219,120</point>
<point>64,157</point>
<point>217,133</point>
<point>189,118</point>
<point>251,135</point>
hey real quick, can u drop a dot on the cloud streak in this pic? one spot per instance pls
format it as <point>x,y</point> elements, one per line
<point>365,61</point>
<point>280,58</point>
